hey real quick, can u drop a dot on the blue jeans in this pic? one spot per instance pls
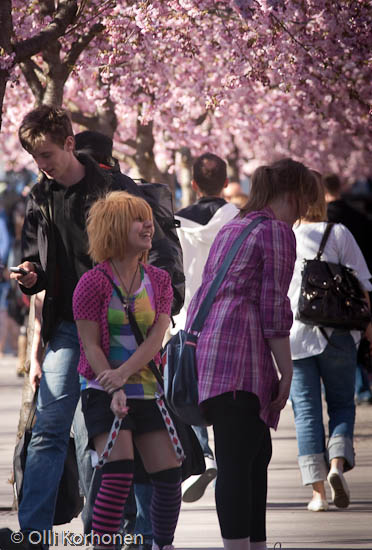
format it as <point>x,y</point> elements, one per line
<point>4,289</point>
<point>58,396</point>
<point>335,367</point>
<point>362,387</point>
<point>143,494</point>
<point>202,435</point>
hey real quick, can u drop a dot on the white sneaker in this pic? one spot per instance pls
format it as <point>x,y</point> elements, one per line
<point>339,488</point>
<point>317,505</point>
<point>194,487</point>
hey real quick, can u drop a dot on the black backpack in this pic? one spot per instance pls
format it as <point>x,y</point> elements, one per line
<point>166,251</point>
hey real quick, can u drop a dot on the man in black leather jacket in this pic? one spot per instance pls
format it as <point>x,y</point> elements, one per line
<point>54,258</point>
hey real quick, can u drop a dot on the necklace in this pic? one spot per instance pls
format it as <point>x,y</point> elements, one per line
<point>128,292</point>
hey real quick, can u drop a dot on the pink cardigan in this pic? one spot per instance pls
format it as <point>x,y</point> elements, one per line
<point>92,297</point>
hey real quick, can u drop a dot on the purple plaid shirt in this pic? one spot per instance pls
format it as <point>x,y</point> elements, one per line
<point>251,305</point>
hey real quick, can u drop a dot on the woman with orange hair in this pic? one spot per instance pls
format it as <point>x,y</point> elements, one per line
<point>115,378</point>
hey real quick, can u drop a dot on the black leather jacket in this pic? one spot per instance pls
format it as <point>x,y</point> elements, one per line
<point>38,241</point>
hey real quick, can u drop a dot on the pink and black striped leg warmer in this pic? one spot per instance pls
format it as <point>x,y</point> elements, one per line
<point>165,505</point>
<point>109,504</point>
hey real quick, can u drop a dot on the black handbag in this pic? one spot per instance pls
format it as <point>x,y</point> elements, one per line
<point>179,358</point>
<point>69,502</point>
<point>193,462</point>
<point>331,295</point>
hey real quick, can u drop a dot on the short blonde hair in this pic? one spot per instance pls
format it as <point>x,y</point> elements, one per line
<point>317,211</point>
<point>109,221</point>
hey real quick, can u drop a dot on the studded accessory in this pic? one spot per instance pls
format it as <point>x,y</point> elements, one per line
<point>331,295</point>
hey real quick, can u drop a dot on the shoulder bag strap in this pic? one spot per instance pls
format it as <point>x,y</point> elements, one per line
<point>206,305</point>
<point>324,240</point>
<point>135,328</point>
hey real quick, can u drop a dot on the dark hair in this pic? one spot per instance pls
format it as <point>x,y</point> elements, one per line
<point>95,144</point>
<point>273,181</point>
<point>332,183</point>
<point>210,173</point>
<point>42,122</point>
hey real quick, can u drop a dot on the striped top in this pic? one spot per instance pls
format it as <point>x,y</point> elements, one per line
<point>251,306</point>
<point>141,385</point>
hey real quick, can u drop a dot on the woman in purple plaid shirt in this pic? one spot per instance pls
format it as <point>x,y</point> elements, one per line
<point>249,321</point>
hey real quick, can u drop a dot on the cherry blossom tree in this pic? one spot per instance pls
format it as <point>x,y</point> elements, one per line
<point>244,78</point>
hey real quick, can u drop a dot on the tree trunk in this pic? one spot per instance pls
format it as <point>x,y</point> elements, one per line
<point>184,171</point>
<point>3,81</point>
<point>144,153</point>
<point>233,171</point>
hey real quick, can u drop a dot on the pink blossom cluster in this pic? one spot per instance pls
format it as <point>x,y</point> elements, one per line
<point>6,60</point>
<point>266,77</point>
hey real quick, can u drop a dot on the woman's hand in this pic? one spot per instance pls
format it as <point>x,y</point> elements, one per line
<point>282,354</point>
<point>283,393</point>
<point>111,379</point>
<point>119,404</point>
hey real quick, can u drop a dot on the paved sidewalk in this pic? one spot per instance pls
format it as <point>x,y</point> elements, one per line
<point>288,521</point>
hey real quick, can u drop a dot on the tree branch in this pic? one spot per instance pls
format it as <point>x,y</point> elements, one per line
<point>30,69</point>
<point>198,121</point>
<point>47,7</point>
<point>84,22</point>
<point>80,44</point>
<point>88,121</point>
<point>64,17</point>
<point>131,143</point>
<point>6,25</point>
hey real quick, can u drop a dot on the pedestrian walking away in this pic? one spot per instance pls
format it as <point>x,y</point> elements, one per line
<point>325,357</point>
<point>249,320</point>
<point>358,223</point>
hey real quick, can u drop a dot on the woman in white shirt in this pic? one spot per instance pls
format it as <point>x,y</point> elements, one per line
<point>332,362</point>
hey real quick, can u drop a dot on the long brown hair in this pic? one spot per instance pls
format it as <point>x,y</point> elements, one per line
<point>280,177</point>
<point>317,211</point>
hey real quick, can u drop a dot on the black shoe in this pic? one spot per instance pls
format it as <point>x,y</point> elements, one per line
<point>13,540</point>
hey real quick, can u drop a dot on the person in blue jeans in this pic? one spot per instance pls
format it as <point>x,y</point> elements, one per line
<point>330,358</point>
<point>55,256</point>
<point>4,283</point>
<point>363,393</point>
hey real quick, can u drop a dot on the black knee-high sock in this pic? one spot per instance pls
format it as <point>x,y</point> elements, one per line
<point>165,504</point>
